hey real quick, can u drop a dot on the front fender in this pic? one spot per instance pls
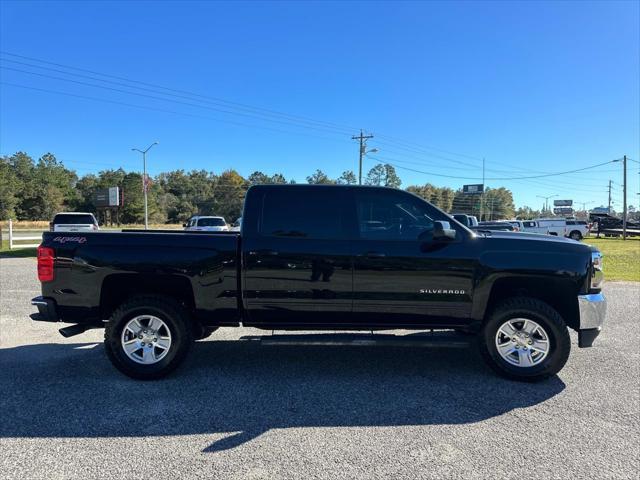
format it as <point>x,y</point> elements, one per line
<point>542,275</point>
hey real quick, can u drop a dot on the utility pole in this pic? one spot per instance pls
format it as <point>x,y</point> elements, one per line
<point>609,209</point>
<point>482,194</point>
<point>624,198</point>
<point>363,151</point>
<point>144,181</point>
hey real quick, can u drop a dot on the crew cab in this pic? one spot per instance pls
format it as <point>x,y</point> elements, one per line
<point>532,226</point>
<point>554,226</point>
<point>325,259</point>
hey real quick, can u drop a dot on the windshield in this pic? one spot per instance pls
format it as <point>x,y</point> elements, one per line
<point>211,222</point>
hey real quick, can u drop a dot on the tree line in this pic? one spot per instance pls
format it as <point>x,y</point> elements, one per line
<point>37,189</point>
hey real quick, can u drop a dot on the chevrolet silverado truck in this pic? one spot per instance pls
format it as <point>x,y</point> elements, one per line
<point>326,259</point>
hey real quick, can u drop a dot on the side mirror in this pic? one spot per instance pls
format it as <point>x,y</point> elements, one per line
<point>443,231</point>
<point>184,225</point>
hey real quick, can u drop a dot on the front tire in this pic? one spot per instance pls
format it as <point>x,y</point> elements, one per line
<point>575,235</point>
<point>525,339</point>
<point>148,336</point>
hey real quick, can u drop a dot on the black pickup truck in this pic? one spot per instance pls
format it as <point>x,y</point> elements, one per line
<point>326,258</point>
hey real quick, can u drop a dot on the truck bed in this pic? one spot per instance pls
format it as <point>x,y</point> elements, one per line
<point>200,267</point>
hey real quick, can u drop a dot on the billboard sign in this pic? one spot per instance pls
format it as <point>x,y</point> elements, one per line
<point>107,197</point>
<point>471,189</point>
<point>562,203</point>
<point>563,211</point>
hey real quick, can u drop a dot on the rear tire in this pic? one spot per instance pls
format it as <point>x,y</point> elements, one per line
<point>537,346</point>
<point>575,235</point>
<point>139,321</point>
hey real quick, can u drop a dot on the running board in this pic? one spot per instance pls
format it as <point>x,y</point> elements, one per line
<point>429,340</point>
<point>74,330</point>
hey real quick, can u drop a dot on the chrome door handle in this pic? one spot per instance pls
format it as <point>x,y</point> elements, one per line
<point>267,253</point>
<point>375,254</point>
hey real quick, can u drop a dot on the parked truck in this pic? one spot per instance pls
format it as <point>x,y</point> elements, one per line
<point>326,258</point>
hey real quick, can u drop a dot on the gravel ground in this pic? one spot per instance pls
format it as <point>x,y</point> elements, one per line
<point>237,410</point>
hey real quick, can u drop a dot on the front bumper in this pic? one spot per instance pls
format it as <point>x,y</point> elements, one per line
<point>593,309</point>
<point>47,311</point>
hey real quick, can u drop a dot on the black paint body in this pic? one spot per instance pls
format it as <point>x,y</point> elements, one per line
<point>293,282</point>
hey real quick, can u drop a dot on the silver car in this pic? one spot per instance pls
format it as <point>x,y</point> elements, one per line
<point>206,224</point>
<point>73,222</point>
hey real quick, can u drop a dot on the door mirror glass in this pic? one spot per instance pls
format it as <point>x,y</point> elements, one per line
<point>443,231</point>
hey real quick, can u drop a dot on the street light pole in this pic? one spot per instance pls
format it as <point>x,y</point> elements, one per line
<point>546,200</point>
<point>144,182</point>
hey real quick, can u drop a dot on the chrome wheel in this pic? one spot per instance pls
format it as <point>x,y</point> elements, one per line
<point>522,342</point>
<point>146,339</point>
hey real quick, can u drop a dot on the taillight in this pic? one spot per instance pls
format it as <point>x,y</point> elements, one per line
<point>45,264</point>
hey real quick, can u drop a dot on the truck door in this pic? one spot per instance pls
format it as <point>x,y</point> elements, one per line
<point>297,262</point>
<point>402,277</point>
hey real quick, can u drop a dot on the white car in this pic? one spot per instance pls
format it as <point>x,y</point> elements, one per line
<point>554,226</point>
<point>577,229</point>
<point>530,226</point>
<point>74,222</point>
<point>206,224</point>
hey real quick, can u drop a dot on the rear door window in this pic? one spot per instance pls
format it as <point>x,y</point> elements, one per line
<point>303,213</point>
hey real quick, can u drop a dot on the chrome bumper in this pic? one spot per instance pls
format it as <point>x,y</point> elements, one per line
<point>593,308</point>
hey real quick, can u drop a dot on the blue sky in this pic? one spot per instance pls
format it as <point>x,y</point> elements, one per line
<point>534,88</point>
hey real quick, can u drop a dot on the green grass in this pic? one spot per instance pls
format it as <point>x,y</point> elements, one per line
<point>16,253</point>
<point>621,257</point>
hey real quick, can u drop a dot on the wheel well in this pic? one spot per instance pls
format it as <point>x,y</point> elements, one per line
<point>118,287</point>
<point>556,293</point>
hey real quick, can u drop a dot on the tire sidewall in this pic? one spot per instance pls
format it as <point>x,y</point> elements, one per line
<point>180,339</point>
<point>556,340</point>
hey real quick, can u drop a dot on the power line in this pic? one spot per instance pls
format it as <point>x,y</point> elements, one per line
<point>164,110</point>
<point>191,94</point>
<point>155,97</point>
<point>499,178</point>
<point>402,144</point>
<point>449,152</point>
<point>548,182</point>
